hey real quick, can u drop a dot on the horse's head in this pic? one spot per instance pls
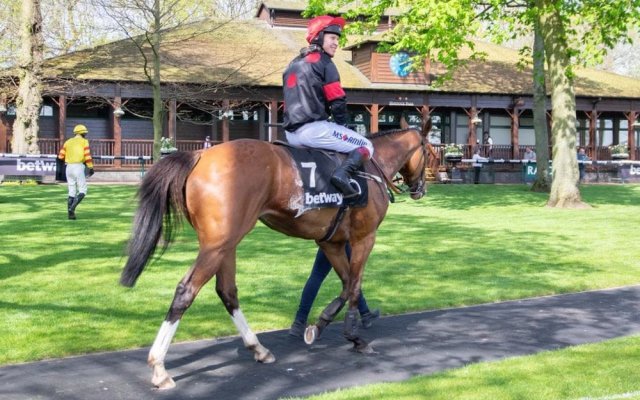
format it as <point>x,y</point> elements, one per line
<point>413,171</point>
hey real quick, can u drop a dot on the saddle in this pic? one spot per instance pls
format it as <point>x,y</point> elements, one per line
<point>316,167</point>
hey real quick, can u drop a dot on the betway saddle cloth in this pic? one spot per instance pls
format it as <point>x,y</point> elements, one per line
<point>315,168</point>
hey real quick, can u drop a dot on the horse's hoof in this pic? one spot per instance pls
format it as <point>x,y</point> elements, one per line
<point>160,378</point>
<point>267,358</point>
<point>364,349</point>
<point>310,334</point>
<point>165,384</point>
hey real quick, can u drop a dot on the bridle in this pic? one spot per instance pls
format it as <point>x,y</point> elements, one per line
<point>419,187</point>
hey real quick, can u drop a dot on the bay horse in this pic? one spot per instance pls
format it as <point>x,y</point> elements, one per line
<point>223,191</point>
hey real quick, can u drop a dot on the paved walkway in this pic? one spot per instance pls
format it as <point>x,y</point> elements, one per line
<point>405,345</point>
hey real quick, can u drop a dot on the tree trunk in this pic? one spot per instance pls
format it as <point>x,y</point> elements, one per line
<point>156,82</point>
<point>564,186</point>
<point>542,182</point>
<point>29,100</point>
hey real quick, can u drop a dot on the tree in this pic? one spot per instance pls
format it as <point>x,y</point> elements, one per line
<point>29,98</point>
<point>574,33</point>
<point>541,183</point>
<point>147,22</point>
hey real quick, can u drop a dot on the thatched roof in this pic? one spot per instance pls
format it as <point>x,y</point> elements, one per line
<point>252,53</point>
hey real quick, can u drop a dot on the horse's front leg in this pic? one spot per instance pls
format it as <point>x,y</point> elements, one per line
<point>359,255</point>
<point>351,329</point>
<point>200,273</point>
<point>228,293</point>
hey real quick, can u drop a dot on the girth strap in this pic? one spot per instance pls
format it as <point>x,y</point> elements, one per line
<point>336,222</point>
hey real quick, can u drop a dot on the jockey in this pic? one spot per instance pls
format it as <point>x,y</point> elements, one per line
<point>76,154</point>
<point>313,93</point>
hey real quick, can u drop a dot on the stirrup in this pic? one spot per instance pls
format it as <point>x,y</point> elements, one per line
<point>346,188</point>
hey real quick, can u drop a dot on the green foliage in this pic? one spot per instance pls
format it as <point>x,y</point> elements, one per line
<point>441,30</point>
<point>460,245</point>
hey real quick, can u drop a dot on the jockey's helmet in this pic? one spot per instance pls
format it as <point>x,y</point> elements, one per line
<point>80,130</point>
<point>318,26</point>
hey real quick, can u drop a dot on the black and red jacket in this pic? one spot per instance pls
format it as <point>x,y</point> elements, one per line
<point>312,90</point>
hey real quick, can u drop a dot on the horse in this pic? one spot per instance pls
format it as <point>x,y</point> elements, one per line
<point>224,190</point>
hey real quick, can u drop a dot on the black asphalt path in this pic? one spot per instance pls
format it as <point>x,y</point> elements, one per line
<point>405,345</point>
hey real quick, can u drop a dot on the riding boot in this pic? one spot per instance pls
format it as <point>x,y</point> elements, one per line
<point>344,172</point>
<point>70,213</point>
<point>72,209</point>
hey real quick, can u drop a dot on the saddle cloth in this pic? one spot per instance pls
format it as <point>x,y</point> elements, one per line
<point>315,168</point>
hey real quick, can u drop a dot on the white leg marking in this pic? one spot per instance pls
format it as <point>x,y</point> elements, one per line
<point>260,353</point>
<point>160,378</point>
<point>161,345</point>
<point>248,337</point>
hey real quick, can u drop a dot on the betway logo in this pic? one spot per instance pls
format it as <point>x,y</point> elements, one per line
<point>323,198</point>
<point>634,170</point>
<point>38,165</point>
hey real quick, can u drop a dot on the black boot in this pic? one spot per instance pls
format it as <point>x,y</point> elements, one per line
<point>343,173</point>
<point>70,213</point>
<point>72,209</point>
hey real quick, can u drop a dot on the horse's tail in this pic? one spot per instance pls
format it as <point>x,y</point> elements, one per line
<point>162,204</point>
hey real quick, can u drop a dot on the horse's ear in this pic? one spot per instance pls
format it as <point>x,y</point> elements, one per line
<point>426,124</point>
<point>403,123</point>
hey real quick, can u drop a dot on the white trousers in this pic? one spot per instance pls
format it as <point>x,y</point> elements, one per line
<point>329,136</point>
<point>76,180</point>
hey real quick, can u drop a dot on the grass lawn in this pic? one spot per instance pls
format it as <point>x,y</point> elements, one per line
<point>460,245</point>
<point>602,371</point>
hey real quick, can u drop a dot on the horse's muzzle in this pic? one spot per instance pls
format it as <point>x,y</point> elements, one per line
<point>417,192</point>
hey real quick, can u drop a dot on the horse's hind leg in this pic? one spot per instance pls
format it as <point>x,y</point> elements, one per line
<point>228,293</point>
<point>186,291</point>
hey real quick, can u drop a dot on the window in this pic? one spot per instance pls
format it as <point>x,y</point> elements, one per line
<point>46,111</point>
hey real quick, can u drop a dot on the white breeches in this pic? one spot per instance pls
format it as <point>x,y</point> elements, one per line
<point>76,180</point>
<point>329,136</point>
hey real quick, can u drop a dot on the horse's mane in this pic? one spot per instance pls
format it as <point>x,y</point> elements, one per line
<point>374,135</point>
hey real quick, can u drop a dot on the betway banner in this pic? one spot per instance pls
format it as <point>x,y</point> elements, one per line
<point>27,166</point>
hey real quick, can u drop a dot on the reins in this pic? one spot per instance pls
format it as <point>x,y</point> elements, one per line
<point>388,181</point>
<point>395,188</point>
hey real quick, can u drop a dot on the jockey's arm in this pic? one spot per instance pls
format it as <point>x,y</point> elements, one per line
<point>339,111</point>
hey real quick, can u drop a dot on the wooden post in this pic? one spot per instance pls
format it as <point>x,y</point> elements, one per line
<point>472,113</point>
<point>214,127</point>
<point>171,122</point>
<point>62,118</point>
<point>373,120</point>
<point>593,120</point>
<point>225,120</point>
<point>262,120</point>
<point>3,132</point>
<point>631,133</point>
<point>117,132</point>
<point>273,120</point>
<point>515,132</point>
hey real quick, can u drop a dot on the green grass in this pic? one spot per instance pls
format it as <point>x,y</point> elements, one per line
<point>462,244</point>
<point>602,371</point>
